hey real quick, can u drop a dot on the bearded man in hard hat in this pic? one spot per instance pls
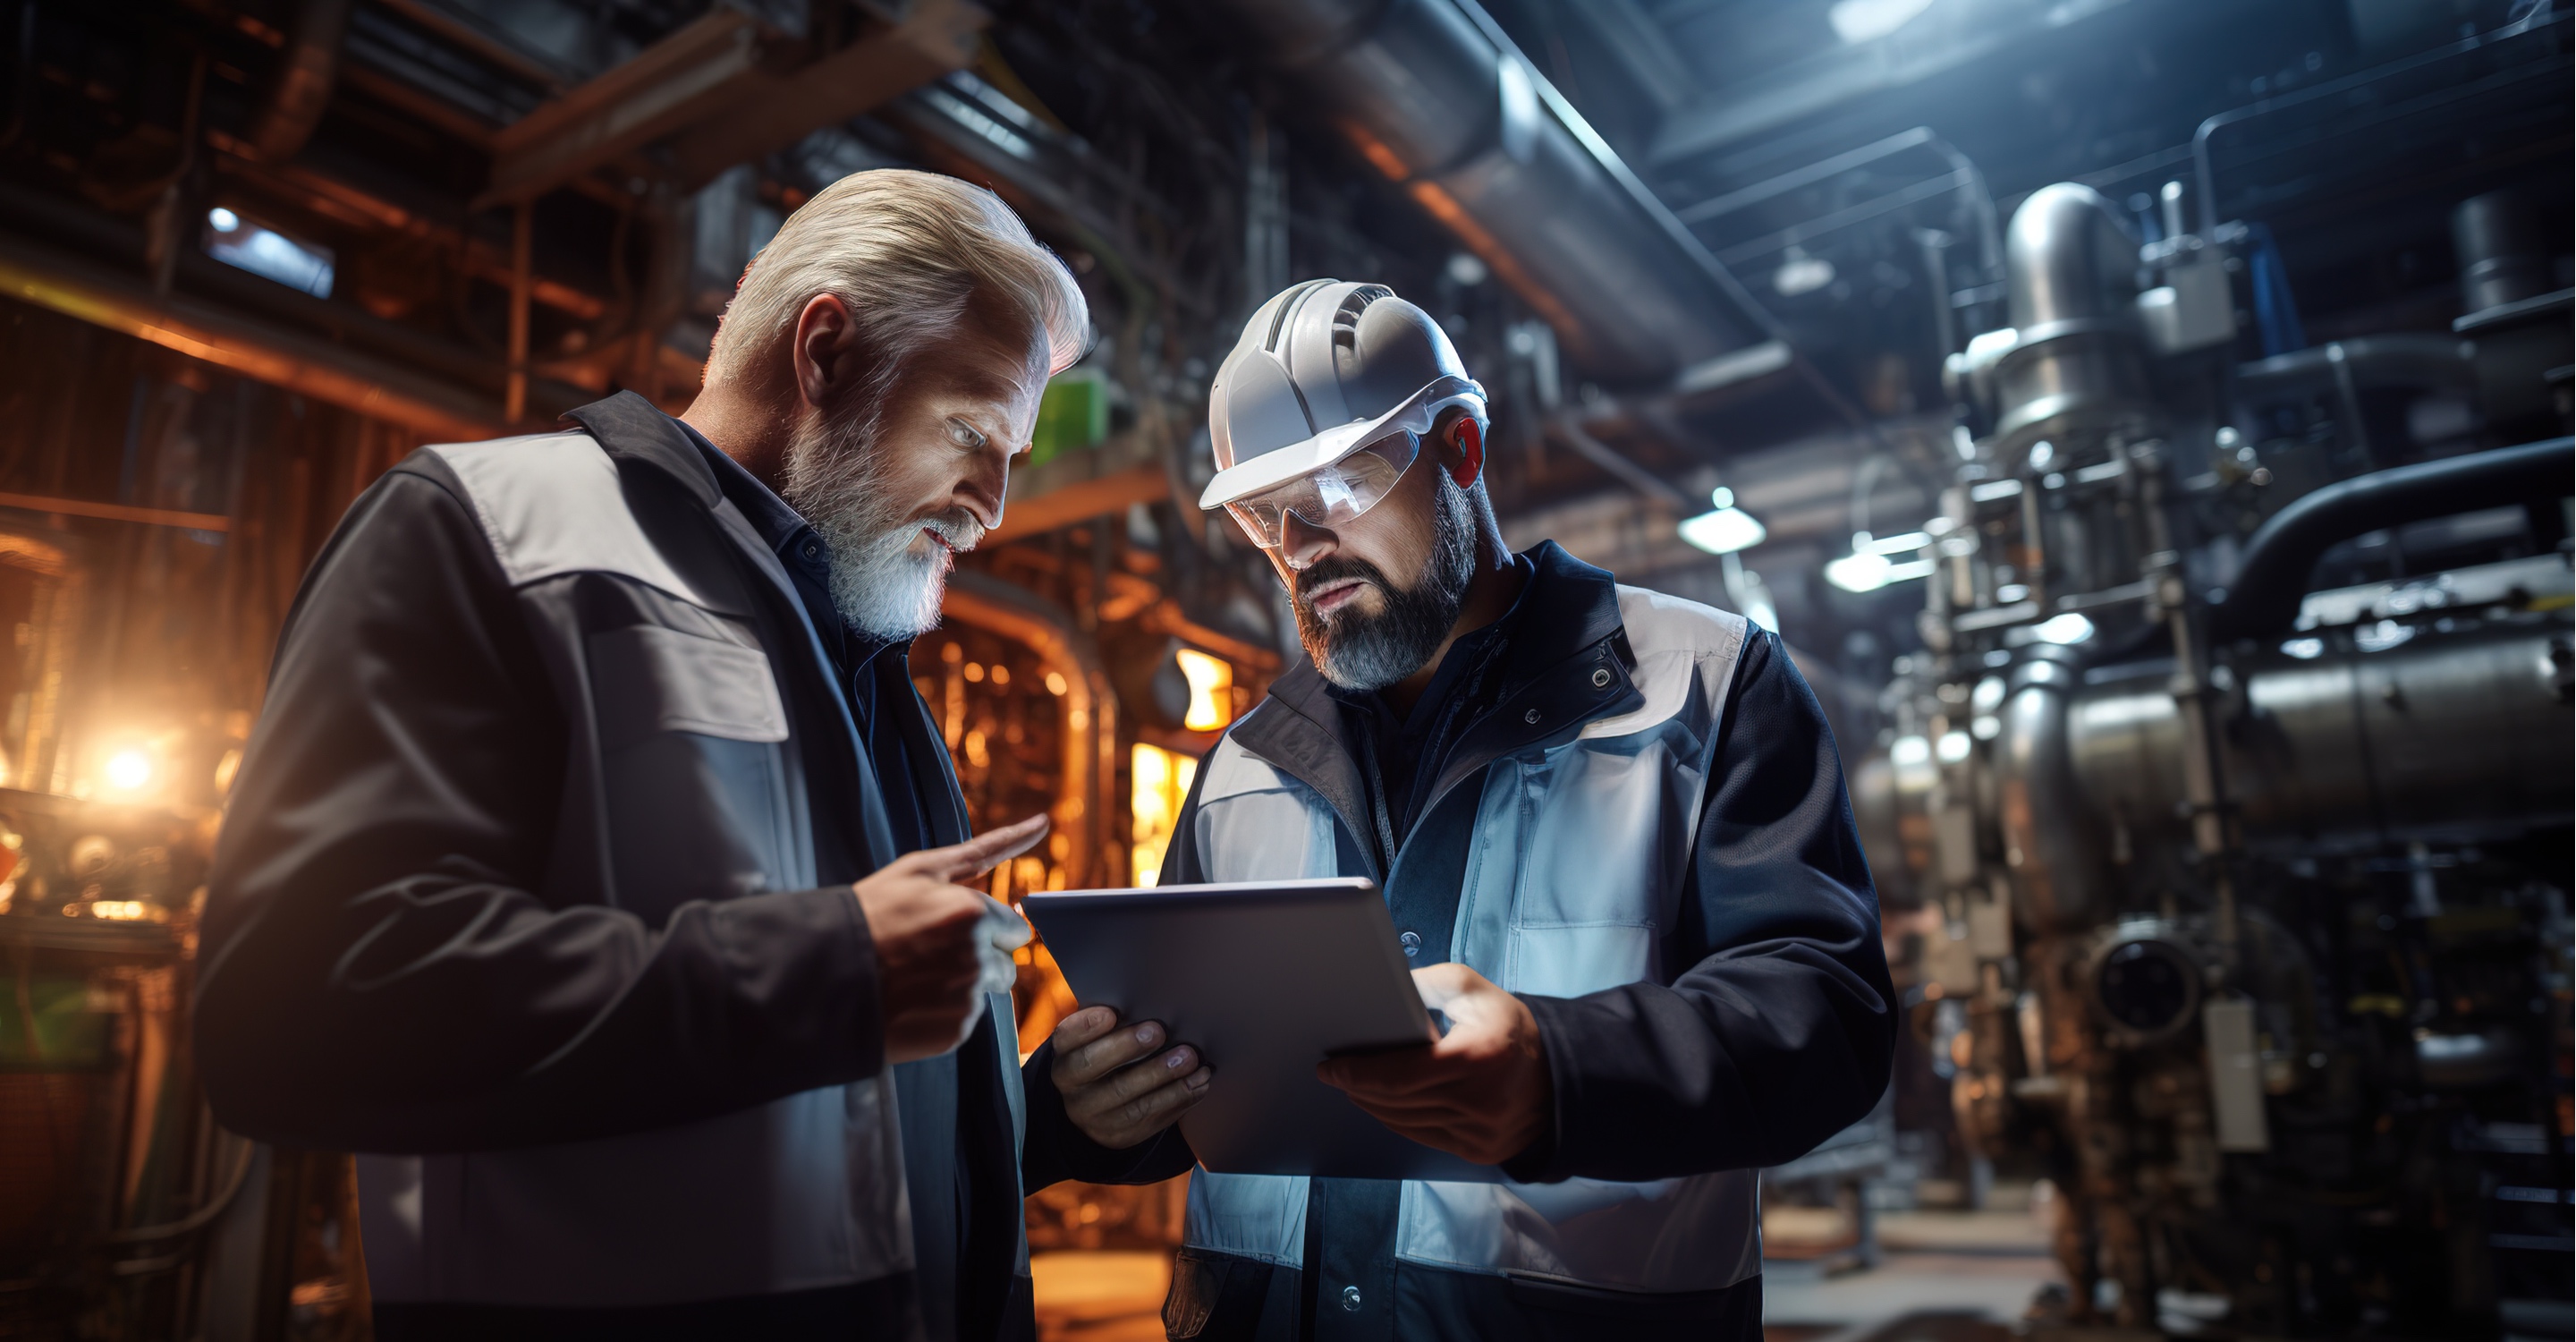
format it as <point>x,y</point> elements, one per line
<point>1613,835</point>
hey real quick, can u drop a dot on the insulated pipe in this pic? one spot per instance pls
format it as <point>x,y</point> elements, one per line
<point>2274,575</point>
<point>306,72</point>
<point>1434,96</point>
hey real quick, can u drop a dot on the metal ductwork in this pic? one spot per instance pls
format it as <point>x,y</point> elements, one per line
<point>1435,96</point>
<point>305,76</point>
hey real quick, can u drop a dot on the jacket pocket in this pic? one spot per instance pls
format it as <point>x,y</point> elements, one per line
<point>1571,959</point>
<point>1215,1296</point>
<point>649,679</point>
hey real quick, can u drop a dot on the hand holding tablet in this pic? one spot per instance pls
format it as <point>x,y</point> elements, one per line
<point>1261,982</point>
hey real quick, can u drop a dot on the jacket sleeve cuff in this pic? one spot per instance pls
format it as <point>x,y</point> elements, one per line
<point>1540,1163</point>
<point>866,1031</point>
<point>1056,1150</point>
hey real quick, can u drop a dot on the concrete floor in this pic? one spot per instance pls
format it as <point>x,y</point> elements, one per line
<point>1946,1277</point>
<point>1100,1296</point>
<point>1911,1296</point>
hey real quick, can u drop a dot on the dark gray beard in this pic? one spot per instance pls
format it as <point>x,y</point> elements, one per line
<point>1371,652</point>
<point>835,477</point>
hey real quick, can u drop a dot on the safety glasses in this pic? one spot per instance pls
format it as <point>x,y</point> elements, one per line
<point>1333,495</point>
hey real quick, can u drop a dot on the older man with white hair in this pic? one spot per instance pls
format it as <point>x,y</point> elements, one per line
<point>595,871</point>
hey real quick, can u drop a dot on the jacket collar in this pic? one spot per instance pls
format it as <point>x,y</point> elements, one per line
<point>630,428</point>
<point>1568,665</point>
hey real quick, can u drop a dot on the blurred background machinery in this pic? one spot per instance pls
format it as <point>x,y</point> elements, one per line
<point>2144,422</point>
<point>2250,889</point>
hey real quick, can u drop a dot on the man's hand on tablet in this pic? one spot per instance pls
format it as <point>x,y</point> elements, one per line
<point>1120,1085</point>
<point>1482,1092</point>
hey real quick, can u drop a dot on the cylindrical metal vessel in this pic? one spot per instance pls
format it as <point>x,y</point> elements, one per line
<point>2452,736</point>
<point>2077,361</point>
<point>2503,250</point>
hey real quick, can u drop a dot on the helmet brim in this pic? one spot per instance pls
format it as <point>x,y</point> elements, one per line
<point>1279,465</point>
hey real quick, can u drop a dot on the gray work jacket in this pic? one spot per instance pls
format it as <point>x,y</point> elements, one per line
<point>527,892</point>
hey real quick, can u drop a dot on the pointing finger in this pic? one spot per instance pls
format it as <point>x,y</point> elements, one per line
<point>985,851</point>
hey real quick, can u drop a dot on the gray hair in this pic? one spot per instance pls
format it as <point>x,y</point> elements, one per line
<point>906,250</point>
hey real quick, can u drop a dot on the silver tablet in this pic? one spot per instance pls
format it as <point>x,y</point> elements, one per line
<point>1266,979</point>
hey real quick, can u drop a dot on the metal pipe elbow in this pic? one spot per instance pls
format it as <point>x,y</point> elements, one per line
<point>2069,257</point>
<point>2049,837</point>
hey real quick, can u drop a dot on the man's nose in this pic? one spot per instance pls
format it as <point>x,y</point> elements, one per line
<point>985,486</point>
<point>1302,543</point>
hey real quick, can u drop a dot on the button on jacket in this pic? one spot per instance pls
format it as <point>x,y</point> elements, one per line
<point>1638,824</point>
<point>534,890</point>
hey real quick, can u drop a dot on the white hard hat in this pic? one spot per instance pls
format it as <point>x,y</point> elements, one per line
<point>1323,370</point>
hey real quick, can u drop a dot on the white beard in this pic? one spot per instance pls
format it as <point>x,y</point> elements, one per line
<point>887,579</point>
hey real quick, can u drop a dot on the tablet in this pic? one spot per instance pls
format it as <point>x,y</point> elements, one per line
<point>1265,979</point>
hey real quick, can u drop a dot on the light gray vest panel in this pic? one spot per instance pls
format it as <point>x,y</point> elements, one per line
<point>803,1192</point>
<point>1574,875</point>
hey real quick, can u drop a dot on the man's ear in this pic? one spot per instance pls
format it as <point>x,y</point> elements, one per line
<point>1463,450</point>
<point>824,350</point>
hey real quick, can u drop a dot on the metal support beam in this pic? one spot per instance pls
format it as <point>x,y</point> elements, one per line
<point>273,354</point>
<point>117,512</point>
<point>934,37</point>
<point>694,73</point>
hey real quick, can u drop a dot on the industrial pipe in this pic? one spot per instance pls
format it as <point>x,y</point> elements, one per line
<point>2273,577</point>
<point>1086,791</point>
<point>2402,358</point>
<point>2077,361</point>
<point>306,71</point>
<point>2050,843</point>
<point>2068,258</point>
<point>1432,94</point>
<point>2456,736</point>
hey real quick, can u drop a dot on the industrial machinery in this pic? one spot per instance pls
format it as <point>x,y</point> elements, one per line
<point>2256,894</point>
<point>108,1201</point>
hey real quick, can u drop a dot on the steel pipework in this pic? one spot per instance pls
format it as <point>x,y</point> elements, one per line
<point>1433,95</point>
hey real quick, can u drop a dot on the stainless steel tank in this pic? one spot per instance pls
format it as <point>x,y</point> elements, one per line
<point>2390,733</point>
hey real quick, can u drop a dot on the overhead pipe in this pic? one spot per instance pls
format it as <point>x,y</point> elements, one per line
<point>1434,95</point>
<point>2273,577</point>
<point>306,73</point>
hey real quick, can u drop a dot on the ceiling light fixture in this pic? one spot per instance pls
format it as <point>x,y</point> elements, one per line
<point>1726,530</point>
<point>1857,21</point>
<point>1868,567</point>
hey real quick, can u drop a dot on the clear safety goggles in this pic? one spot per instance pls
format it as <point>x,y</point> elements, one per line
<point>1335,494</point>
